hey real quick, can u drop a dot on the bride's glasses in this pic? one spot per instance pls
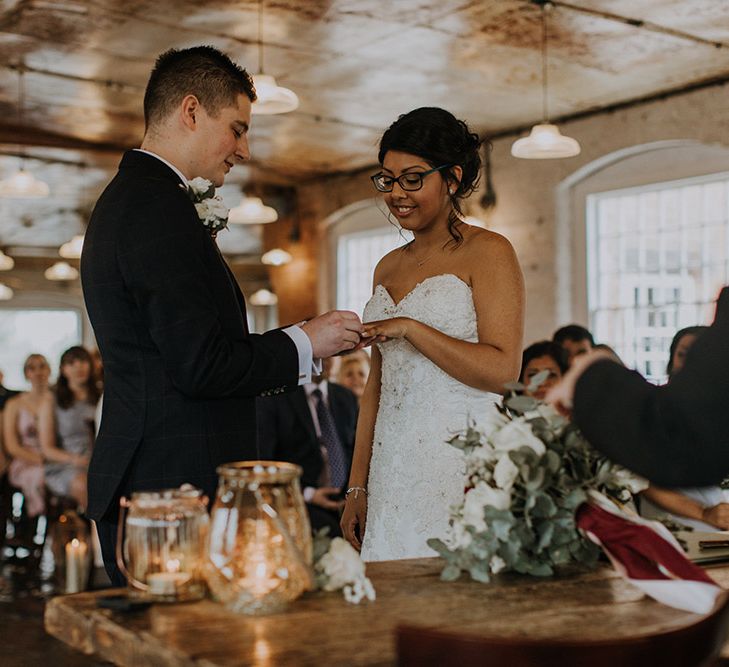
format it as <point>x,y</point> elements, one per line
<point>411,181</point>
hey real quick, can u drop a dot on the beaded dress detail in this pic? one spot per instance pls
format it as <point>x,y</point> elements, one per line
<point>415,476</point>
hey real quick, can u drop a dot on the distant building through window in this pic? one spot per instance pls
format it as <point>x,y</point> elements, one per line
<point>657,257</point>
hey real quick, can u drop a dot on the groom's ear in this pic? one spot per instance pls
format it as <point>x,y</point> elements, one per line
<point>189,107</point>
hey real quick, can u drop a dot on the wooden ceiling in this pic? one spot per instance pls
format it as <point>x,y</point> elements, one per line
<point>355,64</point>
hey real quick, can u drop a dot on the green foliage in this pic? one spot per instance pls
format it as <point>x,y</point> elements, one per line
<point>545,486</point>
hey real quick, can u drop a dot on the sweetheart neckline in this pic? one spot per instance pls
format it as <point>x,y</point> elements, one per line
<point>420,284</point>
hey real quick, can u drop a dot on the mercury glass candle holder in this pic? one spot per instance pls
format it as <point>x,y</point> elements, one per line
<point>259,546</point>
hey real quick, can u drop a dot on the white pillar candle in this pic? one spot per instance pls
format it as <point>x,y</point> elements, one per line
<point>75,565</point>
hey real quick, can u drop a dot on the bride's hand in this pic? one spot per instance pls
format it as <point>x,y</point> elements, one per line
<point>383,330</point>
<point>355,514</point>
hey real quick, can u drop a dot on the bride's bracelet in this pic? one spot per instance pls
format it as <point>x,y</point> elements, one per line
<point>356,490</point>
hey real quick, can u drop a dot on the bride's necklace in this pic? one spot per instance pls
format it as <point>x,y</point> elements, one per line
<point>420,262</point>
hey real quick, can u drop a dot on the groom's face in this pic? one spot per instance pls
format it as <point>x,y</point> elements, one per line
<point>222,140</point>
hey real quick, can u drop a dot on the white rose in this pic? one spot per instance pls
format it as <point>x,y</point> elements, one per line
<point>497,564</point>
<point>460,537</point>
<point>341,564</point>
<point>484,452</point>
<point>199,185</point>
<point>490,420</point>
<point>481,496</point>
<point>515,434</point>
<point>505,472</point>
<point>218,208</point>
<point>631,481</point>
<point>203,209</point>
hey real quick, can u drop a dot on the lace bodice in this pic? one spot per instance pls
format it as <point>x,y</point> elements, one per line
<point>415,476</point>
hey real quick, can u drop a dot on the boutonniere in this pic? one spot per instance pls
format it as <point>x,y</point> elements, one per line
<point>211,210</point>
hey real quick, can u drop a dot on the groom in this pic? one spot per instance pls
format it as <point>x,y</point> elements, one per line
<point>181,369</point>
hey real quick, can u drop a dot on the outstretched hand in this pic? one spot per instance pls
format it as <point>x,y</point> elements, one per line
<point>333,332</point>
<point>382,330</point>
<point>561,396</point>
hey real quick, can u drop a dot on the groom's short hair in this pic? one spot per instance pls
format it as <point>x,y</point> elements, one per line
<point>202,71</point>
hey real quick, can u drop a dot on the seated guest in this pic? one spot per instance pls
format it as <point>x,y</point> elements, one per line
<point>602,347</point>
<point>314,427</point>
<point>700,508</point>
<point>20,435</point>
<point>544,355</point>
<point>353,372</point>
<point>575,339</point>
<point>67,426</point>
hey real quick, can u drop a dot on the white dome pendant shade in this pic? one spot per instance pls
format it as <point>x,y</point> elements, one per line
<point>72,249</point>
<point>276,257</point>
<point>545,140</point>
<point>6,262</point>
<point>23,185</point>
<point>61,271</point>
<point>263,297</point>
<point>272,98</point>
<point>6,293</point>
<point>252,211</point>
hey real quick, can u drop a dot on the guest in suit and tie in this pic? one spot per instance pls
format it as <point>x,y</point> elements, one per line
<point>181,369</point>
<point>314,427</point>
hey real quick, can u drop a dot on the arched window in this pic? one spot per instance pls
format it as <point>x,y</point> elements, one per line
<point>654,250</point>
<point>358,237</point>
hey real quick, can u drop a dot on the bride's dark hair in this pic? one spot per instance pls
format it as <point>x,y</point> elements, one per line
<point>438,137</point>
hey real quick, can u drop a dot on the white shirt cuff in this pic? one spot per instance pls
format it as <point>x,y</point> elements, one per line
<point>309,492</point>
<point>307,363</point>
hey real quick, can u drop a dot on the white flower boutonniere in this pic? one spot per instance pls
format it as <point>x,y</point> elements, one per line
<point>210,208</point>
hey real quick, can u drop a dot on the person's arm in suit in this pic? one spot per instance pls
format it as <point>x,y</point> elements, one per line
<point>674,435</point>
<point>163,259</point>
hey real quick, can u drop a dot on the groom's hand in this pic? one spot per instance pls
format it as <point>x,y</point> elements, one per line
<point>333,332</point>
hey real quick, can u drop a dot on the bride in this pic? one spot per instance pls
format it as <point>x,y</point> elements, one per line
<point>447,316</point>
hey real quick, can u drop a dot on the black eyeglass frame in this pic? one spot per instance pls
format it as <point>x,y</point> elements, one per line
<point>393,180</point>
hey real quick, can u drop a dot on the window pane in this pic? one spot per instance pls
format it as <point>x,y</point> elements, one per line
<point>662,256</point>
<point>23,332</point>
<point>357,256</point>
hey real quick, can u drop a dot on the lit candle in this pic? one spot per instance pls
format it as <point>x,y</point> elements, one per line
<point>167,583</point>
<point>75,565</point>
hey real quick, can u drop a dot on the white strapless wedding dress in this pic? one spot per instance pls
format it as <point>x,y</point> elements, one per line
<point>415,476</point>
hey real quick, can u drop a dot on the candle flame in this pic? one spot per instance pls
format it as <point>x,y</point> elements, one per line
<point>75,543</point>
<point>173,565</point>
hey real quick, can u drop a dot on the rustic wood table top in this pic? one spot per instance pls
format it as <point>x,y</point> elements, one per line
<point>321,628</point>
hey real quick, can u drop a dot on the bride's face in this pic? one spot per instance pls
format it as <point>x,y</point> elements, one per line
<point>419,209</point>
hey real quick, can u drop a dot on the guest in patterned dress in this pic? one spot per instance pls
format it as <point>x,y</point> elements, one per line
<point>20,433</point>
<point>67,426</point>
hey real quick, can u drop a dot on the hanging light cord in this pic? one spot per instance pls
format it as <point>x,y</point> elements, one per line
<point>260,36</point>
<point>545,69</point>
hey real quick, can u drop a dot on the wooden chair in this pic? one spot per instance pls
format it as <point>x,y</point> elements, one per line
<point>691,646</point>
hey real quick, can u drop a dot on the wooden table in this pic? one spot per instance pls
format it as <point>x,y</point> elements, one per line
<point>321,628</point>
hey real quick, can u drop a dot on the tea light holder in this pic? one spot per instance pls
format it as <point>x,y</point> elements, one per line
<point>161,544</point>
<point>259,549</point>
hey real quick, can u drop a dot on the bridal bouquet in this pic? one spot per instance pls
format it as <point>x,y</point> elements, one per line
<point>528,470</point>
<point>210,208</point>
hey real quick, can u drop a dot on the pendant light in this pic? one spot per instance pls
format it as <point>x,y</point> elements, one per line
<point>61,271</point>
<point>72,249</point>
<point>6,262</point>
<point>276,257</point>
<point>22,184</point>
<point>271,98</point>
<point>252,211</point>
<point>263,297</point>
<point>6,293</point>
<point>545,140</point>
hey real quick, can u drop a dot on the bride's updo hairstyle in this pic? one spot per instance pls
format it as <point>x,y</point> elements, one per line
<point>439,138</point>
